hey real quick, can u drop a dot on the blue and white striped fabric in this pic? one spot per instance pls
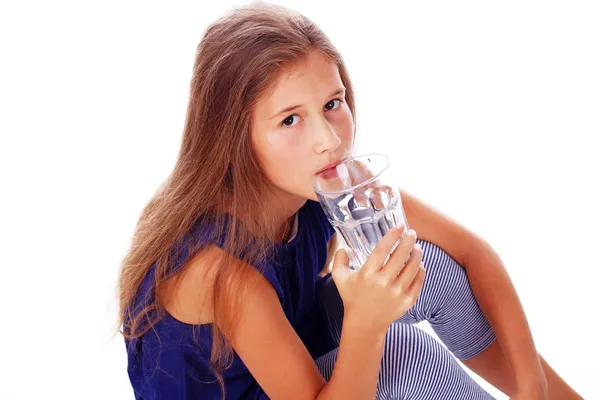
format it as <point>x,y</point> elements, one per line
<point>415,365</point>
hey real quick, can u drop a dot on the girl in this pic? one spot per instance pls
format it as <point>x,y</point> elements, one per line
<point>223,293</point>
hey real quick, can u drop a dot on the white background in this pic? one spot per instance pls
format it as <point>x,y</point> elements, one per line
<point>490,113</point>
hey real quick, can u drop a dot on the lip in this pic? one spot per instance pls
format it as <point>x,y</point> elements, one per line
<point>329,166</point>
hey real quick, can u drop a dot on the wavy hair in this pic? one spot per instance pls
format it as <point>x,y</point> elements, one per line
<point>216,172</point>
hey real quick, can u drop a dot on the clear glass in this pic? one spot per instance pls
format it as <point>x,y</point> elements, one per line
<point>362,202</point>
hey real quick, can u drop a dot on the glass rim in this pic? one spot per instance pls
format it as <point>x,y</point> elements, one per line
<point>371,179</point>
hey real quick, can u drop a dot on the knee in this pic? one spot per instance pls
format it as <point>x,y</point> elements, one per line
<point>445,277</point>
<point>417,366</point>
<point>437,259</point>
<point>412,362</point>
<point>406,344</point>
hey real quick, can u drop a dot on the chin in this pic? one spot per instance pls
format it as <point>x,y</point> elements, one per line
<point>310,193</point>
<point>306,192</point>
<point>313,197</point>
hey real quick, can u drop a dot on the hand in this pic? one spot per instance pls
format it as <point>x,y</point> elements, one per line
<point>377,294</point>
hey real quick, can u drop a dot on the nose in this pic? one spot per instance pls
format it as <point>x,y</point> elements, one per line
<point>325,136</point>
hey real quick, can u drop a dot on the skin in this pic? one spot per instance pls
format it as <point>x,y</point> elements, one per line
<point>292,146</point>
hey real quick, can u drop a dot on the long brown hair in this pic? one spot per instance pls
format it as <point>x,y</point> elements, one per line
<point>217,172</point>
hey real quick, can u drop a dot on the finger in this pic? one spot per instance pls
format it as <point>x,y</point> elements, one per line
<point>383,249</point>
<point>359,171</point>
<point>360,167</point>
<point>411,269</point>
<point>415,287</point>
<point>374,188</point>
<point>400,256</point>
<point>381,195</point>
<point>341,264</point>
<point>361,199</point>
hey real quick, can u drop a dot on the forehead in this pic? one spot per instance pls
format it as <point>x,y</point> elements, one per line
<point>312,77</point>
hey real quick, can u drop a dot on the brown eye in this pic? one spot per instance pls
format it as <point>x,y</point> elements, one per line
<point>331,105</point>
<point>289,120</point>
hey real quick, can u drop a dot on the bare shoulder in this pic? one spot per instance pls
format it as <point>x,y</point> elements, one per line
<point>188,295</point>
<point>265,341</point>
<point>263,337</point>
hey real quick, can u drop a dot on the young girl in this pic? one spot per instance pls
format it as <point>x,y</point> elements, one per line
<point>226,290</point>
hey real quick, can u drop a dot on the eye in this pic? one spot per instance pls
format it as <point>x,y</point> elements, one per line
<point>289,121</point>
<point>332,103</point>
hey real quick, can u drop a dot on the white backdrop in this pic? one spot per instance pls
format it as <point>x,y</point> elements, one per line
<point>490,113</point>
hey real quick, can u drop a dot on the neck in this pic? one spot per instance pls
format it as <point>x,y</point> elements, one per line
<point>287,229</point>
<point>285,206</point>
<point>284,212</point>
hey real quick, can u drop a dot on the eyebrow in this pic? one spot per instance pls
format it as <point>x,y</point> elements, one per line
<point>288,109</point>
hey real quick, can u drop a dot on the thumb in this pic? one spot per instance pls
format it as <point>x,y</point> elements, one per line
<point>341,263</point>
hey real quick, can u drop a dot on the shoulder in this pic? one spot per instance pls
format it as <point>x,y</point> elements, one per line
<point>187,296</point>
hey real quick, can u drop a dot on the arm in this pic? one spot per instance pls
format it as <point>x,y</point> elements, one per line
<point>357,365</point>
<point>283,367</point>
<point>489,282</point>
<point>499,301</point>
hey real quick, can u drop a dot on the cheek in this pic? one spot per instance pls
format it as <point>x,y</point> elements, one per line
<point>345,124</point>
<point>283,158</point>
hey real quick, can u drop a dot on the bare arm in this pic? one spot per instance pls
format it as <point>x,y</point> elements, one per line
<point>357,366</point>
<point>490,282</point>
<point>278,360</point>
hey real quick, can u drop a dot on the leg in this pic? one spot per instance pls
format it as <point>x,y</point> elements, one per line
<point>446,302</point>
<point>493,366</point>
<point>449,305</point>
<point>558,389</point>
<point>415,366</point>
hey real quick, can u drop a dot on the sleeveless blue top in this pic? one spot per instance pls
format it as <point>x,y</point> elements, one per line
<point>171,361</point>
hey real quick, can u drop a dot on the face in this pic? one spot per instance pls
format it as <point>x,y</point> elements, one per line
<point>301,125</point>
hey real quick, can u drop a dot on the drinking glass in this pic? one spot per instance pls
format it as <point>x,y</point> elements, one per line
<point>362,202</point>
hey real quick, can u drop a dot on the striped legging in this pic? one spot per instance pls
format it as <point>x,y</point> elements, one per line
<point>414,364</point>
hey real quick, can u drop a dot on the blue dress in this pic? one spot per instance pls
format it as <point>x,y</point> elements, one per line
<point>167,363</point>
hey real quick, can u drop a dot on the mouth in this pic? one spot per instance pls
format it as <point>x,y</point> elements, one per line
<point>330,166</point>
